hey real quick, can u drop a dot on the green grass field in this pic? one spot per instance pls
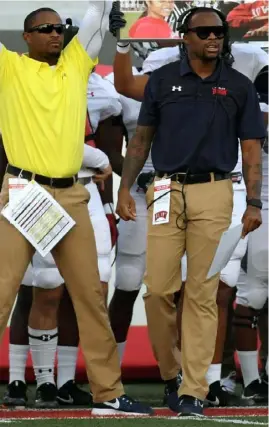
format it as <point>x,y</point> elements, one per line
<point>130,17</point>
<point>156,422</point>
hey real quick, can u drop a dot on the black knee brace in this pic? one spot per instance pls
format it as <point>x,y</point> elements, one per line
<point>250,321</point>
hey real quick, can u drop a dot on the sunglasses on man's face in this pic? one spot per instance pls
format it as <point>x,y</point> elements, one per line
<point>48,29</point>
<point>204,32</point>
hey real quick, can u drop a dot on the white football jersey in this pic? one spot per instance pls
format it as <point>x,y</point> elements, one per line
<point>103,102</point>
<point>102,99</point>
<point>130,113</point>
<point>264,193</point>
<point>249,60</point>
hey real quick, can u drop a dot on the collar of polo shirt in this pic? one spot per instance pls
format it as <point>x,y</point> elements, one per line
<point>39,65</point>
<point>185,68</point>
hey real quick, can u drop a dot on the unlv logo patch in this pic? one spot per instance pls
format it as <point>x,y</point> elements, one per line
<point>219,91</point>
<point>160,215</point>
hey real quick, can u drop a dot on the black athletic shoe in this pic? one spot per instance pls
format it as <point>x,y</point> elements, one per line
<point>189,406</point>
<point>15,394</point>
<point>71,394</point>
<point>255,392</point>
<point>124,405</point>
<point>264,377</point>
<point>170,392</point>
<point>46,396</point>
<point>218,396</point>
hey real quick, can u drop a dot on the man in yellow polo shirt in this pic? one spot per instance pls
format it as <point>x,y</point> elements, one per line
<point>42,119</point>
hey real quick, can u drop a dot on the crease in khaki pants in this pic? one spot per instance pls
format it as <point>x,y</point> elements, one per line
<point>209,211</point>
<point>76,258</point>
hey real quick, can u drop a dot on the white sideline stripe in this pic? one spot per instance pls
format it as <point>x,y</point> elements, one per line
<point>221,420</point>
<point>156,408</point>
<point>178,419</point>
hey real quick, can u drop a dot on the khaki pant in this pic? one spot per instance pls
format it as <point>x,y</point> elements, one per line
<point>76,258</point>
<point>209,210</point>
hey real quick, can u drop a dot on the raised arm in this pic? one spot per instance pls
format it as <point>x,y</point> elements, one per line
<point>125,82</point>
<point>94,26</point>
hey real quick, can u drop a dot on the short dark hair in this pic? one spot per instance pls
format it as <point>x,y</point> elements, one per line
<point>226,54</point>
<point>28,22</point>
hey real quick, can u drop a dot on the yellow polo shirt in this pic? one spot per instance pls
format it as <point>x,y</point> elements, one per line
<point>43,110</point>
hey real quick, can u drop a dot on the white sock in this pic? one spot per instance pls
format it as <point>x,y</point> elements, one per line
<point>249,366</point>
<point>43,346</point>
<point>17,362</point>
<point>213,373</point>
<point>121,348</point>
<point>67,362</point>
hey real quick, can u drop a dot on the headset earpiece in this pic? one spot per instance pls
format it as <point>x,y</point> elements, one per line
<point>181,27</point>
<point>182,24</point>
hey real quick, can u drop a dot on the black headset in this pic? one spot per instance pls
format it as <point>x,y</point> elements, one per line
<point>182,23</point>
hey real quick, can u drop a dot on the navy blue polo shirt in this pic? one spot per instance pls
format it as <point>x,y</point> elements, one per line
<point>184,108</point>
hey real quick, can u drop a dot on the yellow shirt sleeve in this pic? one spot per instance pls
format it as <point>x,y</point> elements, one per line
<point>8,60</point>
<point>75,53</point>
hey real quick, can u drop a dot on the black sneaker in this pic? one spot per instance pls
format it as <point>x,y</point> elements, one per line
<point>124,405</point>
<point>71,394</point>
<point>170,392</point>
<point>15,394</point>
<point>255,392</point>
<point>218,396</point>
<point>188,406</point>
<point>46,396</point>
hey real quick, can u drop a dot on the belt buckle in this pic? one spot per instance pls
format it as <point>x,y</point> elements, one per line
<point>236,177</point>
<point>177,174</point>
<point>20,176</point>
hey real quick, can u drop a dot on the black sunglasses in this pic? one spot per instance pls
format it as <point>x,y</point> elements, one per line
<point>48,28</point>
<point>204,32</point>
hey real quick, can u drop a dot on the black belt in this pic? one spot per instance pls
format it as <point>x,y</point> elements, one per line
<point>43,180</point>
<point>197,178</point>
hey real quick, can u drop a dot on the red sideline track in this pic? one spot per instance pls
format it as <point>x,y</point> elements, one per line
<point>159,412</point>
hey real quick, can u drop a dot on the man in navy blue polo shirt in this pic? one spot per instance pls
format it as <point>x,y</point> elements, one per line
<point>193,113</point>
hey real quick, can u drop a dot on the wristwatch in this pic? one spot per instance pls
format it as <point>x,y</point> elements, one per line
<point>254,202</point>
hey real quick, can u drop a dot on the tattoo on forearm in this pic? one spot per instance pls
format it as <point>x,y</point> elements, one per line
<point>137,153</point>
<point>252,171</point>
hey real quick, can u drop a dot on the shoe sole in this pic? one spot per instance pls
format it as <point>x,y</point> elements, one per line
<point>97,411</point>
<point>47,405</point>
<point>211,404</point>
<point>253,400</point>
<point>63,402</point>
<point>189,414</point>
<point>14,402</point>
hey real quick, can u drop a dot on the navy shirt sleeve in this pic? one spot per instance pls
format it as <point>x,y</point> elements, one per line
<point>251,124</point>
<point>148,115</point>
